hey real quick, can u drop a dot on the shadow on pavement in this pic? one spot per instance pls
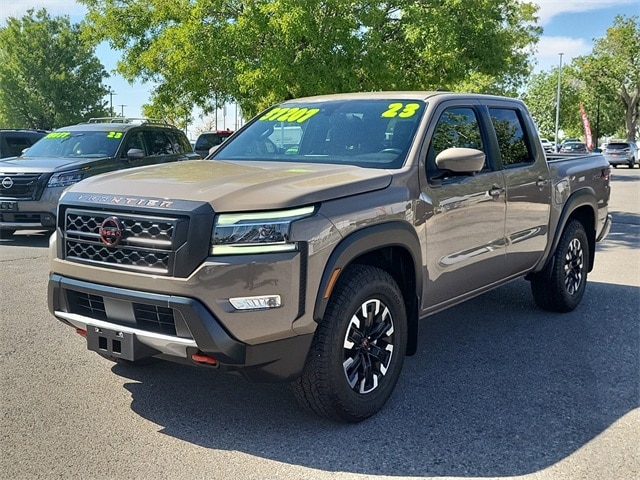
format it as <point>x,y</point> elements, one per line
<point>498,388</point>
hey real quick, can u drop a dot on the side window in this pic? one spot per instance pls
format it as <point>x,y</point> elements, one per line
<point>158,143</point>
<point>456,127</point>
<point>17,144</point>
<point>514,148</point>
<point>135,141</point>
<point>177,143</point>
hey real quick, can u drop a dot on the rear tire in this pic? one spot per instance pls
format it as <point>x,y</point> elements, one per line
<point>560,287</point>
<point>358,348</point>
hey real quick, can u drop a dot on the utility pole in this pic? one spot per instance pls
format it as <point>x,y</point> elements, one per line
<point>558,102</point>
<point>122,110</point>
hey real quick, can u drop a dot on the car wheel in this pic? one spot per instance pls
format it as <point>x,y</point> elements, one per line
<point>358,348</point>
<point>561,285</point>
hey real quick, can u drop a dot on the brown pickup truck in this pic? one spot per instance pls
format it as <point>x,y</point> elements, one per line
<point>310,246</point>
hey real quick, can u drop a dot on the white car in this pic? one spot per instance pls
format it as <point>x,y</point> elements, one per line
<point>547,145</point>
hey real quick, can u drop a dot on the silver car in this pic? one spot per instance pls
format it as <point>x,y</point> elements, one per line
<point>621,153</point>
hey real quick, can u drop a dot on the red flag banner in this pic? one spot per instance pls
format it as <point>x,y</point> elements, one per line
<point>587,127</point>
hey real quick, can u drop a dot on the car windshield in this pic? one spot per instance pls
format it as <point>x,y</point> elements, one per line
<point>72,144</point>
<point>366,133</point>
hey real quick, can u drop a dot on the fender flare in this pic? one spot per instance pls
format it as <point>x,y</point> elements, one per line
<point>581,198</point>
<point>391,234</point>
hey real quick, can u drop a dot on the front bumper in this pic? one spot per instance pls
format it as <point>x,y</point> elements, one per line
<point>173,327</point>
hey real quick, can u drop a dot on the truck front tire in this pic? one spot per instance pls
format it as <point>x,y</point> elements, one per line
<point>358,348</point>
<point>560,287</point>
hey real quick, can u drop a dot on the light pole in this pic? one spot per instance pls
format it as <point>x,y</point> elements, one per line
<point>111,94</point>
<point>122,110</point>
<point>558,101</point>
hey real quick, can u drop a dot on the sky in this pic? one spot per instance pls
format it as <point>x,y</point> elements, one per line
<point>569,28</point>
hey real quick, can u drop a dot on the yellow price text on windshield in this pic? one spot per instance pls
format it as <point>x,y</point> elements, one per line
<point>402,110</point>
<point>58,135</point>
<point>289,114</point>
<point>114,135</point>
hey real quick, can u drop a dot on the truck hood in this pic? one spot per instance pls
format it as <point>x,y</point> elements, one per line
<point>239,186</point>
<point>43,164</point>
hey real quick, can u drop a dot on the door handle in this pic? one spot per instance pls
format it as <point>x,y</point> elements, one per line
<point>542,182</point>
<point>496,191</point>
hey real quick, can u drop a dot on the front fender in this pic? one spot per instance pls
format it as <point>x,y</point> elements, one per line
<point>364,241</point>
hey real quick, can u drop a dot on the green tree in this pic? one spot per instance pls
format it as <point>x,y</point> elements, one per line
<point>541,99</point>
<point>49,76</point>
<point>612,76</point>
<point>258,52</point>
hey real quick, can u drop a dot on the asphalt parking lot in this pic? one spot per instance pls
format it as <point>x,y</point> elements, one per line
<point>498,389</point>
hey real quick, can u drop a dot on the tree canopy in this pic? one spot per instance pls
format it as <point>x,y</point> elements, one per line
<point>612,73</point>
<point>607,82</point>
<point>258,52</point>
<point>49,76</point>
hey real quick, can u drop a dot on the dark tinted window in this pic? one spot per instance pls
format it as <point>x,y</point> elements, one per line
<point>179,142</point>
<point>134,141</point>
<point>513,144</point>
<point>158,143</point>
<point>16,145</point>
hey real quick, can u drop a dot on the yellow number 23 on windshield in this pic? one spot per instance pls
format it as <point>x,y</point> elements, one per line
<point>402,110</point>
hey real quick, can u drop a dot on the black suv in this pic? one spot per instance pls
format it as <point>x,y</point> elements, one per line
<point>14,141</point>
<point>31,184</point>
<point>207,140</point>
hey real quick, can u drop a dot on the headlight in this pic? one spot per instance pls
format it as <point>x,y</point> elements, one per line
<point>64,179</point>
<point>257,232</point>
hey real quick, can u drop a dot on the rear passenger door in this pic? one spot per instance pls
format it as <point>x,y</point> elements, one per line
<point>465,214</point>
<point>528,186</point>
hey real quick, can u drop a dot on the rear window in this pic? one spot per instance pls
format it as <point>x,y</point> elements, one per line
<point>618,146</point>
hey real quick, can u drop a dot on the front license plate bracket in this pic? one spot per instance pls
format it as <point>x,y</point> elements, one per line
<point>117,344</point>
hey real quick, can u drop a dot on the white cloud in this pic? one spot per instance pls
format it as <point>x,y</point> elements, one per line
<point>551,8</point>
<point>549,49</point>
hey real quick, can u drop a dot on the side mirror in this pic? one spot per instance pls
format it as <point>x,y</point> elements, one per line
<point>461,160</point>
<point>135,153</point>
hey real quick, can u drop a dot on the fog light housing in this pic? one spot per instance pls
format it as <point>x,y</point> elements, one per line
<point>261,302</point>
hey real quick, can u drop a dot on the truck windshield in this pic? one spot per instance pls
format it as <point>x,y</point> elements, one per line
<point>366,133</point>
<point>73,144</point>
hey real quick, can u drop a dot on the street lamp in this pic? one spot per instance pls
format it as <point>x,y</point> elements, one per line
<point>558,101</point>
<point>111,94</point>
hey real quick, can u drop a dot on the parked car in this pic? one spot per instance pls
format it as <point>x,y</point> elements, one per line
<point>574,147</point>
<point>31,184</point>
<point>207,140</point>
<point>14,141</point>
<point>547,145</point>
<point>621,153</point>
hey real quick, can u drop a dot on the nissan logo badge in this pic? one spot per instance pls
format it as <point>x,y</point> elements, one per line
<point>111,231</point>
<point>7,182</point>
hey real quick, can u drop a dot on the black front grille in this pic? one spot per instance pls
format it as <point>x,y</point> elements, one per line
<point>19,186</point>
<point>87,305</point>
<point>147,244</point>
<point>154,318</point>
<point>151,318</point>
